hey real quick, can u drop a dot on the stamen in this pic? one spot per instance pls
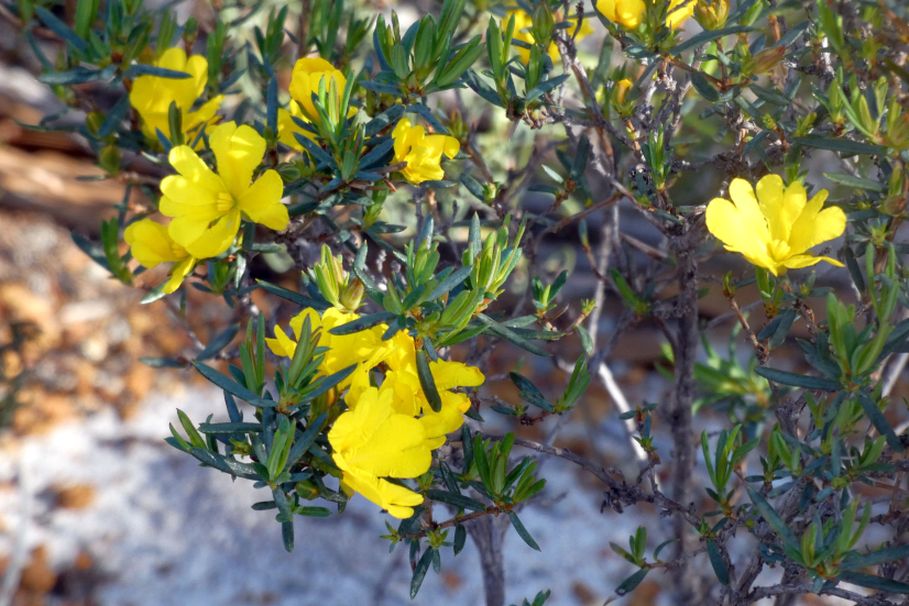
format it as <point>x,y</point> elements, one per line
<point>224,202</point>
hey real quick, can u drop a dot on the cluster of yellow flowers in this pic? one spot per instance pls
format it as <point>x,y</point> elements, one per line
<point>626,13</point>
<point>630,13</point>
<point>388,431</point>
<point>207,207</point>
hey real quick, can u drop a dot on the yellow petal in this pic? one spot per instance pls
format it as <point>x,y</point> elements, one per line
<point>679,11</point>
<point>794,202</point>
<point>212,241</point>
<point>262,202</point>
<point>150,244</point>
<point>450,374</point>
<point>178,273</point>
<point>815,226</point>
<point>396,449</point>
<point>726,221</point>
<point>799,261</point>
<point>307,73</point>
<point>202,117</point>
<point>288,127</point>
<point>189,165</point>
<point>281,345</point>
<point>397,500</point>
<point>239,151</point>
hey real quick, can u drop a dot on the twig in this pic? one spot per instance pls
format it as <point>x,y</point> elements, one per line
<point>621,403</point>
<point>893,373</point>
<point>17,557</point>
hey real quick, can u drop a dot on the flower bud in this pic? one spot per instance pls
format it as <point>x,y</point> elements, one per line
<point>711,14</point>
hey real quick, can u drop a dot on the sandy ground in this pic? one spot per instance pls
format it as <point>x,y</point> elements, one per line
<point>153,527</point>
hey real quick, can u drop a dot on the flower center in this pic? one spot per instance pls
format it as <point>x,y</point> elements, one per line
<point>779,249</point>
<point>224,202</point>
<point>176,250</point>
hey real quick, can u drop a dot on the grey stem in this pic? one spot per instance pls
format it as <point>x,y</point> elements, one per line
<point>679,413</point>
<point>488,534</point>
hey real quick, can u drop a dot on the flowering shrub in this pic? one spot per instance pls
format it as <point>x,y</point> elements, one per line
<point>355,189</point>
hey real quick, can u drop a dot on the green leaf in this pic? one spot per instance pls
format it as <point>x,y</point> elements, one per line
<point>287,535</point>
<point>855,560</point>
<point>61,29</point>
<point>224,428</point>
<point>231,386</point>
<point>453,280</point>
<point>427,382</point>
<point>529,392</point>
<point>773,518</point>
<point>844,146</point>
<point>873,582</point>
<point>312,511</point>
<point>142,69</point>
<point>790,378</point>
<point>221,340</point>
<point>717,561</point>
<point>506,333</point>
<point>457,500</point>
<point>363,322</point>
<point>702,84</point>
<point>290,295</point>
<point>460,539</point>
<point>522,532</point>
<point>708,36</point>
<point>629,584</point>
<point>856,182</point>
<point>86,11</point>
<point>419,572</point>
<point>879,421</point>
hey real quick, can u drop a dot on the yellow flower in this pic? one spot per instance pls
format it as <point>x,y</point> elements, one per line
<point>207,207</point>
<point>371,442</point>
<point>711,14</point>
<point>523,23</point>
<point>308,72</point>
<point>621,90</point>
<point>627,13</point>
<point>151,96</point>
<point>422,153</point>
<point>151,246</point>
<point>775,228</point>
<point>630,13</point>
<point>403,380</point>
<point>364,348</point>
<point>679,12</point>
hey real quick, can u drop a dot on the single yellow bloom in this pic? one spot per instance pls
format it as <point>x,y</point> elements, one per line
<point>523,23</point>
<point>308,72</point>
<point>621,89</point>
<point>207,207</point>
<point>151,96</point>
<point>627,13</point>
<point>370,442</point>
<point>630,13</point>
<point>422,153</point>
<point>679,12</point>
<point>711,14</point>
<point>151,246</point>
<point>364,348</point>
<point>403,380</point>
<point>775,227</point>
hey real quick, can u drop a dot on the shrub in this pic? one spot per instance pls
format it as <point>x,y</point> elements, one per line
<point>385,170</point>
